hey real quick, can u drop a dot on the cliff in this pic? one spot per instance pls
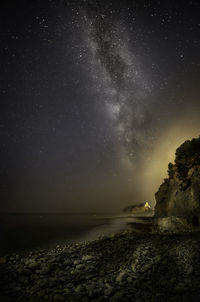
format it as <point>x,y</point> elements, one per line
<point>179,194</point>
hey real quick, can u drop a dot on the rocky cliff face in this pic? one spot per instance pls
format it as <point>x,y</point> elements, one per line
<point>179,194</point>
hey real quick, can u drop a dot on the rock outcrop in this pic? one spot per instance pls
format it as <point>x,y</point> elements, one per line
<point>140,208</point>
<point>179,194</point>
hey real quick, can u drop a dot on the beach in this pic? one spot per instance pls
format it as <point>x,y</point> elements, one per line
<point>125,266</point>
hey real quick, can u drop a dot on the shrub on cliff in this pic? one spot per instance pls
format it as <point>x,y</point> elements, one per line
<point>170,170</point>
<point>187,154</point>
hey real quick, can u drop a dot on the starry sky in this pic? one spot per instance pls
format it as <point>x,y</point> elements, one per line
<point>95,98</point>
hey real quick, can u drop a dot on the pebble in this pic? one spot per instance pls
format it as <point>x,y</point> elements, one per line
<point>33,265</point>
<point>122,276</point>
<point>87,257</point>
<point>190,270</point>
<point>117,297</point>
<point>108,291</point>
<point>146,267</point>
<point>43,271</point>
<point>157,259</point>
<point>58,298</point>
<point>80,266</point>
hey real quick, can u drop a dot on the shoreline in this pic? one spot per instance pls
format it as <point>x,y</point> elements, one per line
<point>127,266</point>
<point>30,233</point>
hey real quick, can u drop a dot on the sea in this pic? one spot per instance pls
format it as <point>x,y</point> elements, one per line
<point>24,232</point>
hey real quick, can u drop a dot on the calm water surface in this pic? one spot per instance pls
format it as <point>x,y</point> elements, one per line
<point>19,232</point>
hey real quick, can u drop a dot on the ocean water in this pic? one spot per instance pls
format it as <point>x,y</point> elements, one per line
<point>22,232</point>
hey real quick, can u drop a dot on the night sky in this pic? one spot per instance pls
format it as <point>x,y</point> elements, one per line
<point>95,98</point>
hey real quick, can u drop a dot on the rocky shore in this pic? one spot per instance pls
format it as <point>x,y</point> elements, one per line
<point>127,266</point>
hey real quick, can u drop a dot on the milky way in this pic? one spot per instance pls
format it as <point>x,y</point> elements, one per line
<point>120,82</point>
